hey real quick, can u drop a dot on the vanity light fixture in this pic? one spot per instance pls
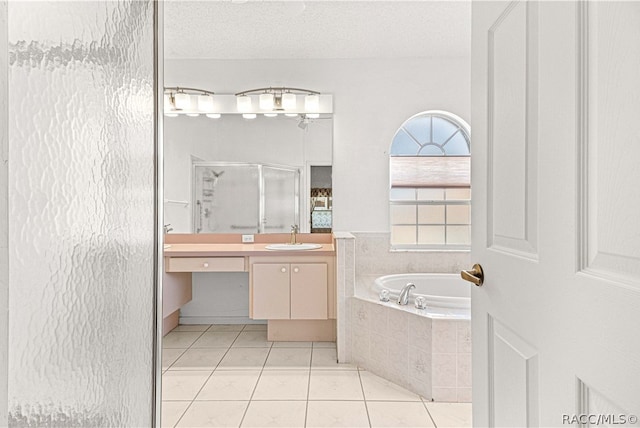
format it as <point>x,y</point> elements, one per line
<point>278,100</point>
<point>190,101</point>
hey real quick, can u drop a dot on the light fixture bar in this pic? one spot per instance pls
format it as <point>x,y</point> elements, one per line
<point>278,90</point>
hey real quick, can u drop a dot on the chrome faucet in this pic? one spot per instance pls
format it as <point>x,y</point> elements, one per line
<point>404,294</point>
<point>294,232</point>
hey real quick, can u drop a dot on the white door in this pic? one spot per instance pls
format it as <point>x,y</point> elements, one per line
<point>556,213</point>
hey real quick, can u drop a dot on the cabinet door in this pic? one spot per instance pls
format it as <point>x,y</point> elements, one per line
<point>309,291</point>
<point>270,291</point>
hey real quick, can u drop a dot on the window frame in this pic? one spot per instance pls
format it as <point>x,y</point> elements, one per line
<point>463,128</point>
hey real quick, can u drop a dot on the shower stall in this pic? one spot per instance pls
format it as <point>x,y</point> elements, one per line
<point>246,198</point>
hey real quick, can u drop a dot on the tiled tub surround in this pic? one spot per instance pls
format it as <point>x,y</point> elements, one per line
<point>429,356</point>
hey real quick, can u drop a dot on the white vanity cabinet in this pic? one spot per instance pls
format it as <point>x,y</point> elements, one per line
<point>289,291</point>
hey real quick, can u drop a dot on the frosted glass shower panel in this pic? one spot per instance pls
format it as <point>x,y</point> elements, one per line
<point>81,213</point>
<point>280,199</point>
<point>226,198</point>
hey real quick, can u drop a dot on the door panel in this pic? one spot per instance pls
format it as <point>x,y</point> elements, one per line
<point>309,291</point>
<point>554,326</point>
<point>270,291</point>
<point>610,212</point>
<point>512,139</point>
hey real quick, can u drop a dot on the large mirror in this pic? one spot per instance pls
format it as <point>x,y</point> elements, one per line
<point>237,175</point>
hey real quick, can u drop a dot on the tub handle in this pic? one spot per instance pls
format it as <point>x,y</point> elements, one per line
<point>475,275</point>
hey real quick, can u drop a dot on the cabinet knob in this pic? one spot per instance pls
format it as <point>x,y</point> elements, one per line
<point>296,270</point>
<point>283,270</point>
<point>205,264</point>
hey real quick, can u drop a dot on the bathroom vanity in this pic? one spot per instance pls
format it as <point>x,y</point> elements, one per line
<point>293,289</point>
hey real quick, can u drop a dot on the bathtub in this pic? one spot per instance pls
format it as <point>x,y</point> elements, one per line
<point>427,351</point>
<point>439,289</point>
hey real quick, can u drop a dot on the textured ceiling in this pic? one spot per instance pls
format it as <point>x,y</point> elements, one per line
<point>316,29</point>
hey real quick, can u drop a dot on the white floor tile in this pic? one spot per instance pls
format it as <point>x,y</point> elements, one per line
<point>169,356</point>
<point>324,345</point>
<point>172,411</point>
<point>252,339</point>
<point>255,327</point>
<point>275,414</point>
<point>192,327</point>
<point>450,414</point>
<point>216,339</point>
<point>398,414</point>
<point>230,385</point>
<point>289,358</point>
<point>244,358</point>
<point>326,358</point>
<point>282,385</point>
<point>335,385</point>
<point>212,414</point>
<point>377,388</point>
<point>199,359</point>
<point>292,344</point>
<point>182,385</point>
<point>180,339</point>
<point>352,414</point>
<point>226,327</point>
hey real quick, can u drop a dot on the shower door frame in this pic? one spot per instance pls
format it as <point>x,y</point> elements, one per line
<point>261,225</point>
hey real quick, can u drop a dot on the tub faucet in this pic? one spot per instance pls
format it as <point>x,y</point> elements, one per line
<point>294,232</point>
<point>404,294</point>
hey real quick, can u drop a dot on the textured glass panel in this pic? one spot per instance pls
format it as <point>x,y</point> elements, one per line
<point>403,214</point>
<point>403,235</point>
<point>218,207</point>
<point>431,214</point>
<point>280,199</point>
<point>461,194</point>
<point>403,194</point>
<point>458,214</point>
<point>459,235</point>
<point>420,128</point>
<point>403,144</point>
<point>430,194</point>
<point>81,220</point>
<point>431,235</point>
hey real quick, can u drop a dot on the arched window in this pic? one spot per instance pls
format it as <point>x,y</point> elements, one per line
<point>430,174</point>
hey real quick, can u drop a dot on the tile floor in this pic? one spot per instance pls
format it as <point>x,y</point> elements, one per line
<point>231,376</point>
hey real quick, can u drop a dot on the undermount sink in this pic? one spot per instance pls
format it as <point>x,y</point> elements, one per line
<point>293,247</point>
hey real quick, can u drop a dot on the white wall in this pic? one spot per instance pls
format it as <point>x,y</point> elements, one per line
<point>372,98</point>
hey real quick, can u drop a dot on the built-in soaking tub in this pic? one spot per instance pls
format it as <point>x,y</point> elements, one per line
<point>428,351</point>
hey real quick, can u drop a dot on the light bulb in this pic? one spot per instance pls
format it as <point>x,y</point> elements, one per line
<point>193,114</point>
<point>243,103</point>
<point>249,115</point>
<point>289,101</point>
<point>312,103</point>
<point>205,102</point>
<point>271,114</point>
<point>183,101</point>
<point>291,114</point>
<point>171,114</point>
<point>313,115</point>
<point>266,101</point>
<point>214,115</point>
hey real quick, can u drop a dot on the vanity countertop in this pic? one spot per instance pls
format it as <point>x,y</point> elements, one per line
<point>230,245</point>
<point>234,249</point>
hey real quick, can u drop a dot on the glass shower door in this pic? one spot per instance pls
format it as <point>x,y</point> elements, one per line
<point>280,199</point>
<point>226,198</point>
<point>82,213</point>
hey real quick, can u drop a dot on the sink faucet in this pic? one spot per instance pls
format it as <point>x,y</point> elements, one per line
<point>404,294</point>
<point>294,232</point>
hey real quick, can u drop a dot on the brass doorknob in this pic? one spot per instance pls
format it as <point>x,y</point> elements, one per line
<point>475,275</point>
